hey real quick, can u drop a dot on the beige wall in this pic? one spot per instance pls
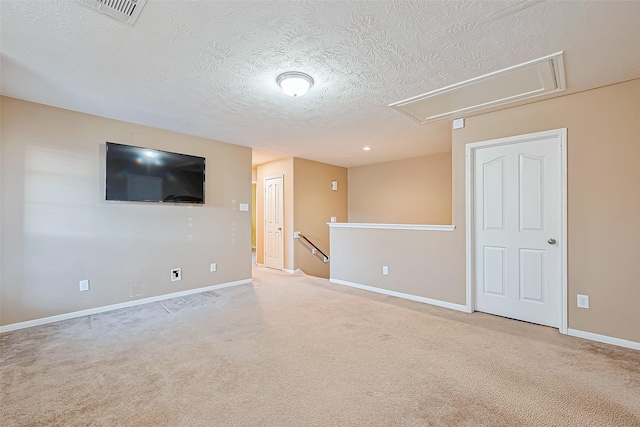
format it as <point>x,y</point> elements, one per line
<point>421,263</point>
<point>283,167</point>
<point>603,149</point>
<point>411,191</point>
<point>253,215</point>
<point>57,228</point>
<point>254,180</point>
<point>314,205</point>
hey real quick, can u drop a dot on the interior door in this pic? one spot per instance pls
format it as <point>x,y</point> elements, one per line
<point>518,224</point>
<point>274,223</point>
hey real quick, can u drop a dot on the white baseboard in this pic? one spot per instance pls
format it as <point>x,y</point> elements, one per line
<point>604,338</point>
<point>296,271</point>
<point>72,315</point>
<point>450,305</point>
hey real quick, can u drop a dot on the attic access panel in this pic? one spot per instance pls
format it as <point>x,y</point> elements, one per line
<point>524,81</point>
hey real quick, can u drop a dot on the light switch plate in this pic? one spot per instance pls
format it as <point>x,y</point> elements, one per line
<point>244,207</point>
<point>84,285</point>
<point>458,123</point>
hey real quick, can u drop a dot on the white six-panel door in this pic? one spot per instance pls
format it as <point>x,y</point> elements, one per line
<point>273,223</point>
<point>517,223</point>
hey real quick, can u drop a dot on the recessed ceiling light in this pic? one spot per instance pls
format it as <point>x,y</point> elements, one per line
<point>294,83</point>
<point>366,148</point>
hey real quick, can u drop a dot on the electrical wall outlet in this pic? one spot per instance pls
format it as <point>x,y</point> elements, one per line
<point>583,301</point>
<point>214,266</point>
<point>385,269</point>
<point>84,285</point>
<point>176,274</point>
<point>333,219</point>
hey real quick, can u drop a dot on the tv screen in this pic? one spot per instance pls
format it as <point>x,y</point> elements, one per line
<point>136,174</point>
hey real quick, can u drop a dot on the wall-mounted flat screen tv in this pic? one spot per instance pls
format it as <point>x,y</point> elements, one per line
<point>136,174</point>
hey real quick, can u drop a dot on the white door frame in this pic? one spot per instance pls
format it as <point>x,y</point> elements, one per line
<point>264,225</point>
<point>471,148</point>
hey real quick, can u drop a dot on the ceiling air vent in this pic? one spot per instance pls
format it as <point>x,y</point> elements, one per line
<point>123,10</point>
<point>524,81</point>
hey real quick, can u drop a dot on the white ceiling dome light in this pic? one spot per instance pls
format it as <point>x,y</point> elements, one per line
<point>294,83</point>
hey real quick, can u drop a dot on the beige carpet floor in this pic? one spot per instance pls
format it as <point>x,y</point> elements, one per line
<point>299,351</point>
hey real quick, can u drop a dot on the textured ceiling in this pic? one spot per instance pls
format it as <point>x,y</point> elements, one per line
<point>208,68</point>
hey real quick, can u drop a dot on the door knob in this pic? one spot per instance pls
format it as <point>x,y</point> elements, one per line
<point>551,241</point>
<point>280,228</point>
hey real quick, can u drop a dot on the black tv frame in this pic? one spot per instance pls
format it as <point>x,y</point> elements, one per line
<point>173,156</point>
